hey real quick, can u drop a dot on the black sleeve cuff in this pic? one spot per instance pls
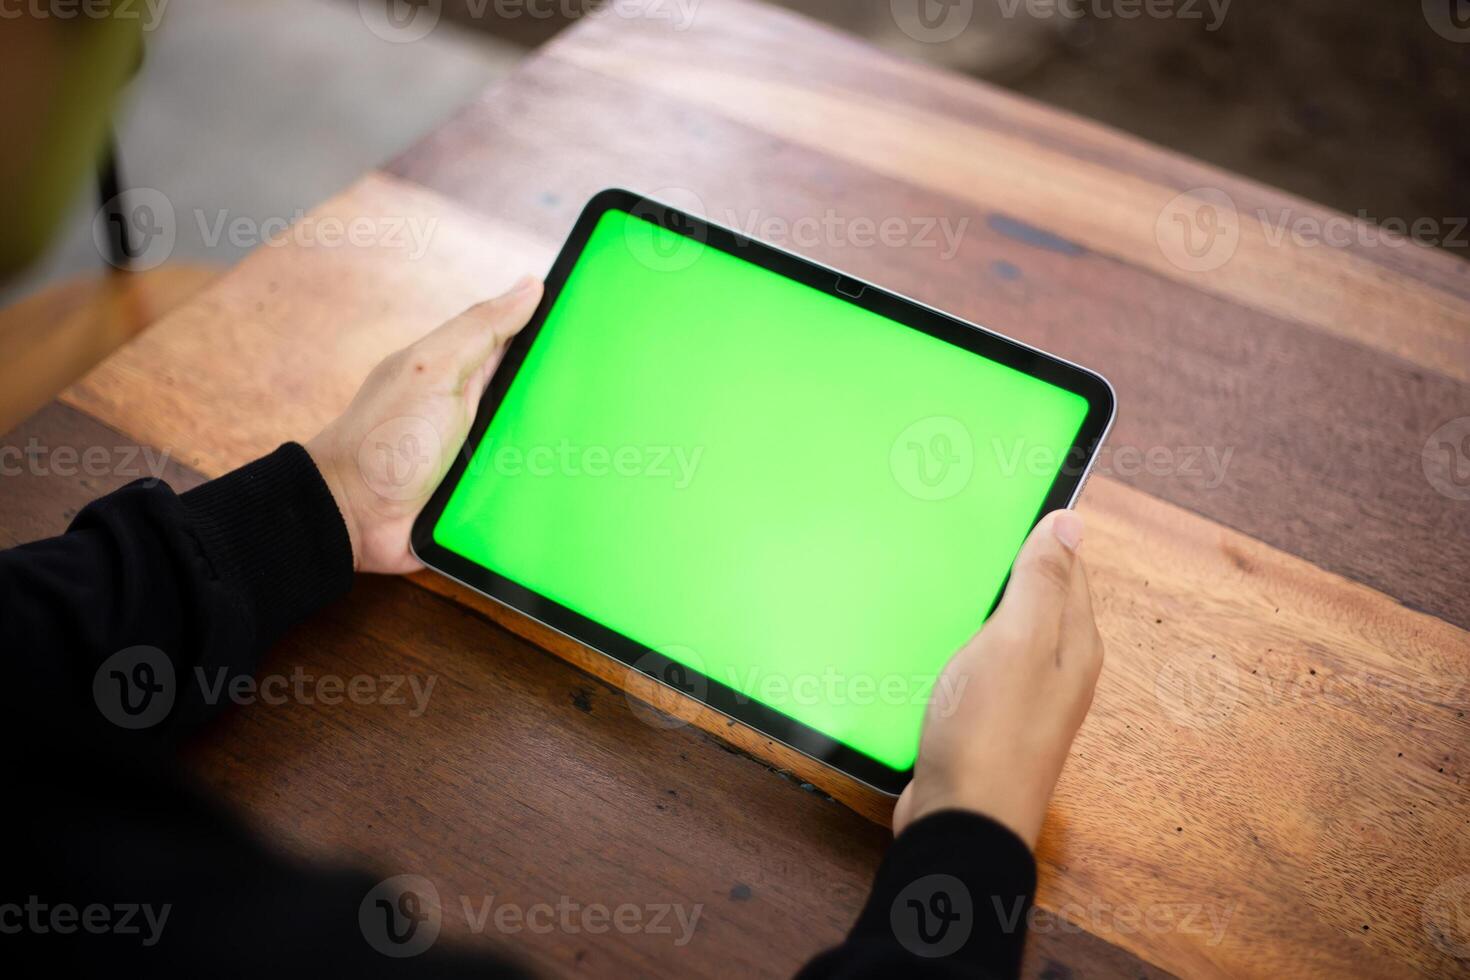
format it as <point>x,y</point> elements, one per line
<point>954,889</point>
<point>272,530</point>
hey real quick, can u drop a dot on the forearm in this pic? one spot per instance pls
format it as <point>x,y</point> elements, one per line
<point>208,579</point>
<point>203,582</point>
<point>951,899</point>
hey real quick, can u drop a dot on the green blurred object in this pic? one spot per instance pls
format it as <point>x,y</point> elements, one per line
<point>63,80</point>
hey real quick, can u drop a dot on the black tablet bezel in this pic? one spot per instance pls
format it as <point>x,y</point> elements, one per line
<point>775,724</point>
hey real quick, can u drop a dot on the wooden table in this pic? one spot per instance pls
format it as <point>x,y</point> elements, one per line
<point>1273,779</point>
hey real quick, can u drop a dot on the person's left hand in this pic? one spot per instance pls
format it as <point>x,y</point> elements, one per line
<point>385,455</point>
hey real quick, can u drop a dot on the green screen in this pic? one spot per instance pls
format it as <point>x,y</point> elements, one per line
<point>808,502</point>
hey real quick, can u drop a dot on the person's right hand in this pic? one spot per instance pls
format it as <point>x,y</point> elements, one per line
<point>1005,710</point>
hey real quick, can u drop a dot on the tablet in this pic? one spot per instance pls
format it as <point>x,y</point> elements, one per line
<point>789,493</point>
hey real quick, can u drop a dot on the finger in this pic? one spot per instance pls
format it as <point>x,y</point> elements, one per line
<point>471,338</point>
<point>1079,640</point>
<point>1041,579</point>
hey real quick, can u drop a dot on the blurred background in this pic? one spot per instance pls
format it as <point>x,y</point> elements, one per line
<point>1363,106</point>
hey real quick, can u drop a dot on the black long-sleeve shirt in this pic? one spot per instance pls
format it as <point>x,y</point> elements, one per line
<point>116,862</point>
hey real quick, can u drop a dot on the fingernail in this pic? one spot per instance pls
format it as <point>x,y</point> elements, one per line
<point>1067,526</point>
<point>523,283</point>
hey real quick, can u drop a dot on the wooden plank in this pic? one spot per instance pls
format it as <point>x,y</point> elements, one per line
<point>1300,436</point>
<point>53,337</point>
<point>300,364</point>
<point>507,773</point>
<point>59,460</point>
<point>1108,209</point>
<point>546,787</point>
<point>1197,785</point>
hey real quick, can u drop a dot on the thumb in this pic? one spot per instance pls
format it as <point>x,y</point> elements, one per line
<point>477,334</point>
<point>1042,577</point>
<point>903,810</point>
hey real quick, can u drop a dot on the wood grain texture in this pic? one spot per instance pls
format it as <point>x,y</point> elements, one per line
<point>1238,788</point>
<point>53,337</point>
<point>508,776</point>
<point>1106,208</point>
<point>59,460</point>
<point>298,366</point>
<point>1303,436</point>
